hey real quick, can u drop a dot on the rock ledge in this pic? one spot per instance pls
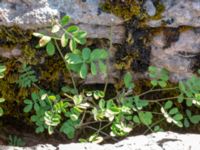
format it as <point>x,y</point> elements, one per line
<point>154,141</point>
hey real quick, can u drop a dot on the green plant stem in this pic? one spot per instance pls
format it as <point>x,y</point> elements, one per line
<point>93,102</point>
<point>100,129</point>
<point>107,60</point>
<point>149,127</point>
<point>157,90</point>
<point>68,96</point>
<point>36,86</point>
<point>68,33</point>
<point>88,123</point>
<point>169,98</point>
<point>157,122</point>
<point>162,99</point>
<point>83,117</point>
<point>156,113</point>
<point>116,140</point>
<point>59,50</point>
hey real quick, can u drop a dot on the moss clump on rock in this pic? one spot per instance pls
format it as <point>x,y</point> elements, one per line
<point>160,8</point>
<point>125,9</point>
<point>14,35</point>
<point>129,9</point>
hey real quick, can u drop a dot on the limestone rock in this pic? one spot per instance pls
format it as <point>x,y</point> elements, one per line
<point>15,52</point>
<point>150,8</point>
<point>29,14</point>
<point>179,13</point>
<point>154,141</point>
<point>180,57</point>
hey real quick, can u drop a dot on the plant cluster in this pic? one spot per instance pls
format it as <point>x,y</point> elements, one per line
<point>27,77</point>
<point>14,140</point>
<point>72,110</point>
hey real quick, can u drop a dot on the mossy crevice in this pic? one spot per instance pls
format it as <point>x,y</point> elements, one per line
<point>125,9</point>
<point>134,53</point>
<point>48,70</point>
<point>160,8</point>
<point>130,9</point>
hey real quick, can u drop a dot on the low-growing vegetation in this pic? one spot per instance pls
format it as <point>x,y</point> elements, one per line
<point>72,109</point>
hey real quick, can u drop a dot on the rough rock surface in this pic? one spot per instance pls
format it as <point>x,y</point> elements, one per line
<point>150,8</point>
<point>180,57</point>
<point>29,14</point>
<point>179,13</point>
<point>155,141</point>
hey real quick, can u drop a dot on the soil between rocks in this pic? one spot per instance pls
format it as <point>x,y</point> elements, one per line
<point>12,126</point>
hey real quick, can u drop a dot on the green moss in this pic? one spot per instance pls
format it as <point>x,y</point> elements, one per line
<point>10,38</point>
<point>14,35</point>
<point>126,9</point>
<point>132,9</point>
<point>160,8</point>
<point>53,69</point>
<point>28,55</point>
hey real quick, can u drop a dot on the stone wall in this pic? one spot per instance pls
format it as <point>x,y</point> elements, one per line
<point>176,46</point>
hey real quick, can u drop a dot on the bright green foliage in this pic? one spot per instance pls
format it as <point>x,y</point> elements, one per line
<point>2,70</point>
<point>71,36</point>
<point>98,94</point>
<point>190,90</point>
<point>52,119</point>
<point>81,62</point>
<point>48,110</point>
<point>145,117</point>
<point>135,103</point>
<point>158,129</point>
<point>65,20</point>
<point>158,76</point>
<point>27,77</point>
<point>120,129</point>
<point>1,110</point>
<point>70,109</point>
<point>40,105</point>
<point>50,48</point>
<point>194,119</point>
<point>13,140</point>
<point>172,114</point>
<point>122,112</point>
<point>69,90</point>
<point>95,138</point>
<point>128,80</point>
<point>68,127</point>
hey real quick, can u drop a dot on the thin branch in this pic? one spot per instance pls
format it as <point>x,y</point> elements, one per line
<point>157,90</point>
<point>59,50</point>
<point>154,125</point>
<point>88,123</point>
<point>107,60</point>
<point>83,117</point>
<point>162,99</point>
<point>68,96</point>
<point>114,139</point>
<point>104,126</point>
<point>36,86</point>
